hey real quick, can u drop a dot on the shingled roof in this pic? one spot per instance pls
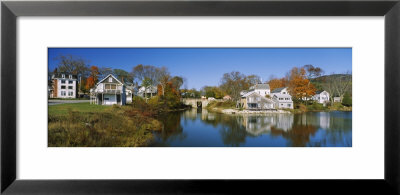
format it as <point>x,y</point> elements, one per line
<point>278,90</point>
<point>260,86</point>
<point>59,75</point>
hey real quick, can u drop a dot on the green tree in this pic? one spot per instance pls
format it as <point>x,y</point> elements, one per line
<point>122,75</point>
<point>347,100</point>
<point>147,83</point>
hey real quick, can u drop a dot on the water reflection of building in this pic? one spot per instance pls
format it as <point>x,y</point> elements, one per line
<point>324,120</point>
<point>284,121</point>
<point>257,125</point>
<point>190,114</point>
<point>205,115</point>
<point>321,119</point>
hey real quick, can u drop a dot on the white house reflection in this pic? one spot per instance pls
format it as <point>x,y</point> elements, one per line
<point>257,125</point>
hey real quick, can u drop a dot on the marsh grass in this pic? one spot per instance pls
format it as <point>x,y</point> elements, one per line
<point>80,125</point>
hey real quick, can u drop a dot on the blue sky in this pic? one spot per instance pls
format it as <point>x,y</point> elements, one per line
<point>205,66</point>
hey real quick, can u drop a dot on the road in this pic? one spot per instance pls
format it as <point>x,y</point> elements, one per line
<point>55,102</point>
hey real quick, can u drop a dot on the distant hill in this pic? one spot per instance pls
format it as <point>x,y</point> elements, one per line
<point>327,77</point>
<point>320,81</point>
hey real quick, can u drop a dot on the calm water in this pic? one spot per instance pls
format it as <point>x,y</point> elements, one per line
<point>200,128</point>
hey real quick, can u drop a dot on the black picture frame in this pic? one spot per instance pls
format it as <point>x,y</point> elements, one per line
<point>11,10</point>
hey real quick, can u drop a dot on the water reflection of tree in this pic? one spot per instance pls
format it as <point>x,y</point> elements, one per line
<point>335,129</point>
<point>172,128</point>
<point>232,133</point>
<point>301,131</point>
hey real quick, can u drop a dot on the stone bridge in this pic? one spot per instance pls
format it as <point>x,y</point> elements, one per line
<point>197,102</point>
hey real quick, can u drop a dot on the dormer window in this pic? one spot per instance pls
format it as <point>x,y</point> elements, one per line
<point>70,76</point>
<point>63,76</point>
<point>110,79</point>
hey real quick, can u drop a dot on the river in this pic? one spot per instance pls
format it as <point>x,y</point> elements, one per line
<point>200,128</point>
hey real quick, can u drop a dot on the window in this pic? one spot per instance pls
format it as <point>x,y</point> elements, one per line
<point>289,105</point>
<point>106,99</point>
<point>70,93</point>
<point>62,93</point>
<point>63,81</point>
<point>110,79</point>
<point>70,82</point>
<point>110,86</point>
<point>280,98</point>
<point>69,87</point>
<point>70,76</point>
<point>281,104</point>
<point>63,76</point>
<point>62,86</point>
<point>284,92</point>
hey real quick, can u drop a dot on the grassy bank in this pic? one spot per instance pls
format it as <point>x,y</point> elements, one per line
<point>85,125</point>
<point>63,109</point>
<point>219,106</point>
<point>316,107</point>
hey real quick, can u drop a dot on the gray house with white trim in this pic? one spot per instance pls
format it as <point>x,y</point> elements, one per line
<point>109,91</point>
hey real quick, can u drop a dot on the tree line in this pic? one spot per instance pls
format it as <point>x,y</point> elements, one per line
<point>302,82</point>
<point>143,75</point>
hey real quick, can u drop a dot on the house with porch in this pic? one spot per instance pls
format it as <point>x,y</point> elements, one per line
<point>282,98</point>
<point>255,101</point>
<point>109,91</point>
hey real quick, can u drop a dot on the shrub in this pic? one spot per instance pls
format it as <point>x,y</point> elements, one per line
<point>347,100</point>
<point>316,106</point>
<point>302,107</point>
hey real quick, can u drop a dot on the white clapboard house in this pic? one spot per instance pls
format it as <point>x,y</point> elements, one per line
<point>282,98</point>
<point>321,97</point>
<point>64,85</point>
<point>110,91</point>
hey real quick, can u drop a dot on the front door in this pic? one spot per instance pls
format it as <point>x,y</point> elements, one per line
<point>118,98</point>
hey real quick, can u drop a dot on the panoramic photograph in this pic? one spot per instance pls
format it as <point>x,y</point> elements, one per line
<point>199,97</point>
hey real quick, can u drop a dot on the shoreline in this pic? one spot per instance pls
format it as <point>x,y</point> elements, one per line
<point>232,111</point>
<point>243,112</point>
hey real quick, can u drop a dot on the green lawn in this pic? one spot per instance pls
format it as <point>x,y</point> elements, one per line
<point>62,109</point>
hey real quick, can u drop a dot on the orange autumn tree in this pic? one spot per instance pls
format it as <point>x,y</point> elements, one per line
<point>93,77</point>
<point>171,96</point>
<point>277,83</point>
<point>299,86</point>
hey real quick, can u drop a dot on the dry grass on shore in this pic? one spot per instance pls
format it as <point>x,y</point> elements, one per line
<point>105,127</point>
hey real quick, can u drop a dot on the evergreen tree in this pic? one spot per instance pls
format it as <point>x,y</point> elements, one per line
<point>347,100</point>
